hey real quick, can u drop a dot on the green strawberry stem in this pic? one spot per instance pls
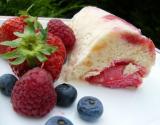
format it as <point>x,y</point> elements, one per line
<point>25,12</point>
<point>30,46</point>
<point>31,62</point>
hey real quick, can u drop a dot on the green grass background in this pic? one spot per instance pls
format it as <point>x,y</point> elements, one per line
<point>145,14</point>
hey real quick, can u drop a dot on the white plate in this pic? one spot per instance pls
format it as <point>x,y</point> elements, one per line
<point>121,106</point>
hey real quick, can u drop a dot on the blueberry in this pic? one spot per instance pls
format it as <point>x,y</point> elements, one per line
<point>58,120</point>
<point>7,81</point>
<point>66,95</point>
<point>89,108</point>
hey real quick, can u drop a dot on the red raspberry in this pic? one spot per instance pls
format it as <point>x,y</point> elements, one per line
<point>34,95</point>
<point>58,28</point>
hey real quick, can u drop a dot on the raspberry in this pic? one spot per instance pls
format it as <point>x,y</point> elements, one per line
<point>58,28</point>
<point>34,95</point>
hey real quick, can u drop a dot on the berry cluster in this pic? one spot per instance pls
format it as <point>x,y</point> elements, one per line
<point>36,57</point>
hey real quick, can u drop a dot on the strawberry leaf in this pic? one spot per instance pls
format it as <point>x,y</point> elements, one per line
<point>9,55</point>
<point>29,30</point>
<point>41,37</point>
<point>51,49</point>
<point>48,50</point>
<point>14,43</point>
<point>37,25</point>
<point>30,20</point>
<point>42,34</point>
<point>41,57</point>
<point>25,12</point>
<point>18,60</point>
<point>18,34</point>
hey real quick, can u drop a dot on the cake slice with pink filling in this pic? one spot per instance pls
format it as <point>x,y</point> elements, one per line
<point>108,51</point>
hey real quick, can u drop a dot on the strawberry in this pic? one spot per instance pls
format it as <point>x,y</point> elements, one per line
<point>58,28</point>
<point>55,60</point>
<point>2,48</point>
<point>21,69</point>
<point>113,77</point>
<point>34,48</point>
<point>1,35</point>
<point>33,94</point>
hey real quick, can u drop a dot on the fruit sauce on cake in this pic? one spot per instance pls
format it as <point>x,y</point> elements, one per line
<point>108,50</point>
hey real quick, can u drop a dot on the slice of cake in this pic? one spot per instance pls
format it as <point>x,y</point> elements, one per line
<point>108,51</point>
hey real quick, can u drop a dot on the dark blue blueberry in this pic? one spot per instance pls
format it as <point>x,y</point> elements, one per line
<point>58,120</point>
<point>66,94</point>
<point>90,108</point>
<point>7,82</point>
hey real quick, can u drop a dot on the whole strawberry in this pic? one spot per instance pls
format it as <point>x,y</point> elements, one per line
<point>34,47</point>
<point>58,28</point>
<point>34,95</point>
<point>53,64</point>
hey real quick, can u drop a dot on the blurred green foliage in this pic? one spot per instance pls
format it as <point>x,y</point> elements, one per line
<point>145,14</point>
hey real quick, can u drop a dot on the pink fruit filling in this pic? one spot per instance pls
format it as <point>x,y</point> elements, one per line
<point>114,77</point>
<point>113,17</point>
<point>138,39</point>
